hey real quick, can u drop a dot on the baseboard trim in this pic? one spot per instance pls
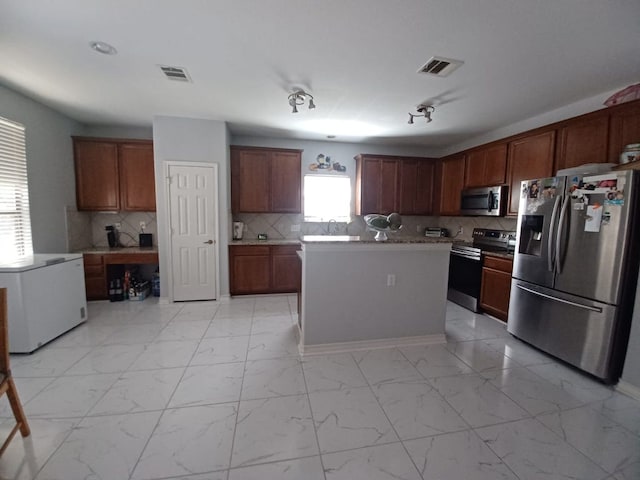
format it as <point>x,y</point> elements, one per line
<point>326,348</point>
<point>628,389</point>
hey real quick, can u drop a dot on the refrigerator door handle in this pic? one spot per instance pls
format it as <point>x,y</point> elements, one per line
<point>561,222</point>
<point>561,300</point>
<point>552,229</point>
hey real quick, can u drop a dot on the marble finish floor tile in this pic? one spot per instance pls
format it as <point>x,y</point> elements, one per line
<point>600,439</point>
<point>384,462</point>
<point>273,324</point>
<point>204,311</point>
<point>519,351</point>
<point>530,391</point>
<point>24,457</point>
<point>107,359</point>
<point>479,356</point>
<point>534,452</point>
<point>132,334</point>
<point>622,409</point>
<point>273,345</point>
<point>573,382</point>
<point>416,409</point>
<point>209,384</point>
<point>434,361</point>
<point>28,387</point>
<point>221,350</point>
<point>229,327</point>
<point>102,447</point>
<point>273,378</point>
<point>349,418</point>
<point>273,429</point>
<point>385,365</point>
<point>68,397</point>
<point>477,401</point>
<point>460,455</point>
<point>167,354</point>
<point>309,468</point>
<point>183,330</point>
<point>47,362</point>
<point>141,391</point>
<point>188,441</point>
<point>332,372</point>
<point>84,335</point>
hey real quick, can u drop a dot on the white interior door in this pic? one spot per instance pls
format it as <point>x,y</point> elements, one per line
<point>193,212</point>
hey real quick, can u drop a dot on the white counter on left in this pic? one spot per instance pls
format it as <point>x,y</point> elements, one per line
<point>45,296</point>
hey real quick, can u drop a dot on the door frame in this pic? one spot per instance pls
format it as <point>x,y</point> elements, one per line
<point>167,164</point>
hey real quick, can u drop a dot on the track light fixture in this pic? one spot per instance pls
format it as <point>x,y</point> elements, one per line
<point>423,111</point>
<point>299,97</point>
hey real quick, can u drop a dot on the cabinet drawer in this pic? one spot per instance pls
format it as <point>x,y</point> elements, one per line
<point>93,270</point>
<point>249,249</point>
<point>284,249</point>
<point>498,263</point>
<point>92,259</point>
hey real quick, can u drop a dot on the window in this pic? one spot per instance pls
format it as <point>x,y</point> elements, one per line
<point>327,197</point>
<point>15,223</point>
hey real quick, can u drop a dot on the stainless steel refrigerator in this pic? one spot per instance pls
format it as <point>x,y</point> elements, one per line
<point>576,268</point>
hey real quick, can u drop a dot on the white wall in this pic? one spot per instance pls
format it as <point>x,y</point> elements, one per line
<point>49,167</point>
<point>115,131</point>
<point>192,140</point>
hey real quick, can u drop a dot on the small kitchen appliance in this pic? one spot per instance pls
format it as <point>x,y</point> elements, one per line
<point>145,240</point>
<point>112,236</point>
<point>238,230</point>
<point>484,201</point>
<point>436,232</point>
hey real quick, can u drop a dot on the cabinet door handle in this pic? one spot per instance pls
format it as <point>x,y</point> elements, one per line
<point>209,242</point>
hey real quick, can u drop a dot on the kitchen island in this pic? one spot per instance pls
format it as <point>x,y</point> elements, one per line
<point>358,293</point>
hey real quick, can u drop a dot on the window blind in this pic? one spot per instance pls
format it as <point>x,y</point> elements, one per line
<point>15,222</point>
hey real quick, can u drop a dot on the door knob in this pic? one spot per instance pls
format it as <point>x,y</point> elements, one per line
<point>209,242</point>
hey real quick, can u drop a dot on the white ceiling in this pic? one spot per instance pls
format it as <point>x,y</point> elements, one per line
<point>357,57</point>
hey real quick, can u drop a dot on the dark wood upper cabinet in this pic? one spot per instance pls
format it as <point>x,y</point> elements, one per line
<point>114,175</point>
<point>376,184</point>
<point>529,157</point>
<point>265,180</point>
<point>386,184</point>
<point>583,140</point>
<point>137,179</point>
<point>624,128</point>
<point>450,182</point>
<point>415,188</point>
<point>486,166</point>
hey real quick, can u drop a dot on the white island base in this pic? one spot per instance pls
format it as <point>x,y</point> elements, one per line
<point>361,295</point>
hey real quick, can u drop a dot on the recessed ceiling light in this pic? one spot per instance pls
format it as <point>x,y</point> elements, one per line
<point>103,47</point>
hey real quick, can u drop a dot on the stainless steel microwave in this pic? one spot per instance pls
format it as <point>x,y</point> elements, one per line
<point>484,201</point>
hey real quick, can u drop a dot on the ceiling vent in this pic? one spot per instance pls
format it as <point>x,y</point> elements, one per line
<point>177,74</point>
<point>440,66</point>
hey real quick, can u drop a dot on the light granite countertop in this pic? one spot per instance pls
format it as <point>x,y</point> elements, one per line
<point>342,239</point>
<point>107,250</point>
<point>276,241</point>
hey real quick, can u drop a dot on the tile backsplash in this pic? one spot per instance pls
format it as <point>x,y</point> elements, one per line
<point>279,226</point>
<point>87,229</point>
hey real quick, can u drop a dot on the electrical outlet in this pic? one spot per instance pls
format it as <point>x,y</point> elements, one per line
<point>295,228</point>
<point>391,280</point>
<point>143,225</point>
<point>117,225</point>
<point>460,230</point>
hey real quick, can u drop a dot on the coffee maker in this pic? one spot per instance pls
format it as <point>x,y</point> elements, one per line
<point>112,236</point>
<point>238,230</point>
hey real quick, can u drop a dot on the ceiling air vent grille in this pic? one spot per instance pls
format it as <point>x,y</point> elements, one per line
<point>177,74</point>
<point>440,66</point>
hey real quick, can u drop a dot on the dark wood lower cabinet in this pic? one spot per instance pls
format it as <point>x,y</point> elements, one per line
<point>257,269</point>
<point>95,277</point>
<point>496,286</point>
